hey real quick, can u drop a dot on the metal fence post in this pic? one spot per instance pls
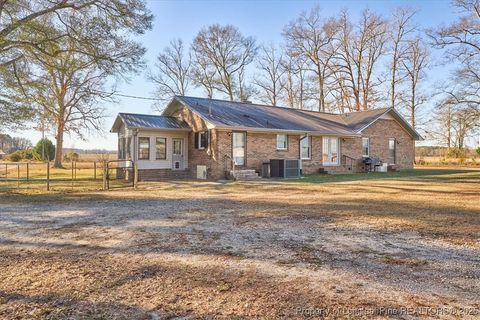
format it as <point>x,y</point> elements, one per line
<point>48,175</point>
<point>135,175</point>
<point>105,173</point>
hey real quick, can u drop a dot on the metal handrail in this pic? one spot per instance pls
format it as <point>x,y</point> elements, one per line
<point>351,161</point>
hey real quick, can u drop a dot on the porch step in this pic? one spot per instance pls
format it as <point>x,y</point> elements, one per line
<point>245,175</point>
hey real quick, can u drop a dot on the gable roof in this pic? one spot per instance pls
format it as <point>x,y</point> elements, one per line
<point>358,121</point>
<point>238,115</point>
<point>145,121</point>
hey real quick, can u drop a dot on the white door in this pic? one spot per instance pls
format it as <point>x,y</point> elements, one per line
<point>177,154</point>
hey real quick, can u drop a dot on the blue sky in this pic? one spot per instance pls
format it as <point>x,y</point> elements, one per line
<point>263,20</point>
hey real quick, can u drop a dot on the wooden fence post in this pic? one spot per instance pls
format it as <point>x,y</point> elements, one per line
<point>6,171</point>
<point>72,174</point>
<point>94,170</point>
<point>18,175</point>
<point>28,171</point>
<point>135,175</point>
<point>105,174</point>
<point>48,175</point>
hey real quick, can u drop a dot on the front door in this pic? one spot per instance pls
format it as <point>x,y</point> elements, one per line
<point>177,154</point>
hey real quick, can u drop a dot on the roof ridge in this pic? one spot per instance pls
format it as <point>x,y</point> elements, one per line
<point>145,114</point>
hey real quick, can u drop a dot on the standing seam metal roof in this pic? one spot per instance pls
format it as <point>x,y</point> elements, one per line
<point>132,120</point>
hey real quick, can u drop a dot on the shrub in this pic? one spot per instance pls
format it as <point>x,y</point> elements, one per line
<point>71,156</point>
<point>477,151</point>
<point>14,156</point>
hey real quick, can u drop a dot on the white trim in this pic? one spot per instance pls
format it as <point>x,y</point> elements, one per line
<point>309,139</point>
<point>331,163</point>
<point>286,141</point>
<point>366,155</point>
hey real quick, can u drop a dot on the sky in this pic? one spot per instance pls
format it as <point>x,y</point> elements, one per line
<point>262,19</point>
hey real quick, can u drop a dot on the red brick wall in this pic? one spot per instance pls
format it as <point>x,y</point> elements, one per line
<point>262,147</point>
<point>379,133</point>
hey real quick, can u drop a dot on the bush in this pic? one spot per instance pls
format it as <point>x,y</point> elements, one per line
<point>14,156</point>
<point>22,155</point>
<point>71,156</point>
<point>49,149</point>
<point>477,151</point>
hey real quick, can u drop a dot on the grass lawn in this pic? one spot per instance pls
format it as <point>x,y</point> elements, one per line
<point>278,249</point>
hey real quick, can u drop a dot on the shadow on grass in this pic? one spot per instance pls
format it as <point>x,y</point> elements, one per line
<point>413,173</point>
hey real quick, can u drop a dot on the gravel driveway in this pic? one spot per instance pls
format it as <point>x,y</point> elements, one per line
<point>405,248</point>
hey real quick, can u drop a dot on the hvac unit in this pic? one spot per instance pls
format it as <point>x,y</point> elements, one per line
<point>284,168</point>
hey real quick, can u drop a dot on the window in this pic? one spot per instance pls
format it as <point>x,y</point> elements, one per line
<point>129,149</point>
<point>366,147</point>
<point>281,142</point>
<point>201,140</point>
<point>391,150</point>
<point>161,148</point>
<point>143,148</point>
<point>305,148</point>
<point>121,148</point>
<point>177,147</point>
<point>330,151</point>
<point>238,148</point>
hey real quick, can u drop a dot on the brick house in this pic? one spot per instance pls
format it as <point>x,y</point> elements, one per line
<point>205,138</point>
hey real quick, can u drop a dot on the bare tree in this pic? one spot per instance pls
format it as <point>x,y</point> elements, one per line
<point>414,64</point>
<point>23,26</point>
<point>400,28</point>
<point>66,85</point>
<point>269,78</point>
<point>360,49</point>
<point>293,81</point>
<point>461,42</point>
<point>172,76</point>
<point>228,52</point>
<point>311,36</point>
<point>203,74</point>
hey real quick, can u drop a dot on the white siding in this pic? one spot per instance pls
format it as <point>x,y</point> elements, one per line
<point>167,163</point>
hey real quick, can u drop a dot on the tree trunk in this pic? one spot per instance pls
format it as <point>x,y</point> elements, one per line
<point>59,146</point>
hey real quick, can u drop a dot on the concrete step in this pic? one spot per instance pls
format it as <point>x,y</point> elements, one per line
<point>247,174</point>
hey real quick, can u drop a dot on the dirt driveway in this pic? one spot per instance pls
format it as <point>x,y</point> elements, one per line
<point>393,248</point>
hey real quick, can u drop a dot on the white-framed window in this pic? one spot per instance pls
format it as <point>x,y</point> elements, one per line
<point>392,146</point>
<point>365,147</point>
<point>161,148</point>
<point>282,142</point>
<point>143,148</point>
<point>306,148</point>
<point>238,148</point>
<point>201,140</point>
<point>330,151</point>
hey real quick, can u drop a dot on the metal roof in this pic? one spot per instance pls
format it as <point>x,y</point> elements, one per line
<point>360,119</point>
<point>145,121</point>
<point>238,115</point>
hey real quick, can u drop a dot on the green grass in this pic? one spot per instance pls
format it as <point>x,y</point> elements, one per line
<point>326,178</point>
